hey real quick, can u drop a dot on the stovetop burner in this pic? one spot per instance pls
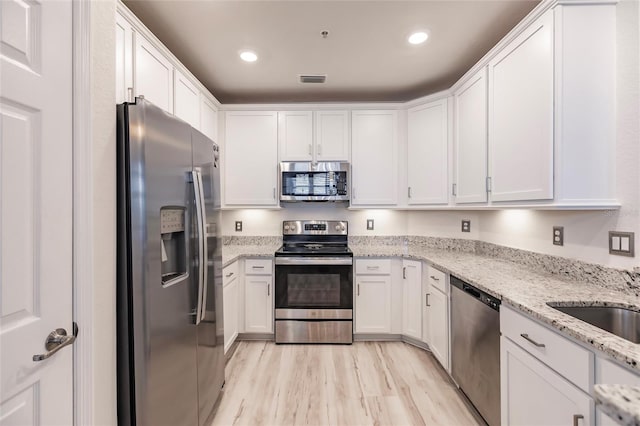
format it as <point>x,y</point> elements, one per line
<point>314,238</point>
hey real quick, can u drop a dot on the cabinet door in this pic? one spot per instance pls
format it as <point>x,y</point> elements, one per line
<point>427,149</point>
<point>438,306</point>
<point>412,298</point>
<point>332,135</point>
<point>521,116</point>
<point>153,76</point>
<point>124,59</point>
<point>373,304</point>
<point>295,135</point>
<point>186,100</point>
<point>374,153</point>
<point>258,304</point>
<point>230,310</point>
<point>471,140</point>
<point>208,118</point>
<point>251,158</point>
<point>533,394</point>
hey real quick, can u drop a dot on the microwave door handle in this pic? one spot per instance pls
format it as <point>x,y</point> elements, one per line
<point>199,230</point>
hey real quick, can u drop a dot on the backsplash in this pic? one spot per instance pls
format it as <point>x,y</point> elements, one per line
<point>234,240</point>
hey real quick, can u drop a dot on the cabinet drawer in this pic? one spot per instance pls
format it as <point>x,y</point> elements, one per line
<point>373,266</point>
<point>569,359</point>
<point>258,266</point>
<point>230,273</point>
<point>437,278</point>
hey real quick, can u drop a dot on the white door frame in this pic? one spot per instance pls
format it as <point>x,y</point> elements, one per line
<point>83,241</point>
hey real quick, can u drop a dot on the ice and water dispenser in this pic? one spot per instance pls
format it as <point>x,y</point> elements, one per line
<point>173,244</point>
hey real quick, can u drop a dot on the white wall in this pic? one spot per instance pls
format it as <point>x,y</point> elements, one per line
<point>269,222</point>
<point>443,224</point>
<point>103,206</point>
<point>586,233</point>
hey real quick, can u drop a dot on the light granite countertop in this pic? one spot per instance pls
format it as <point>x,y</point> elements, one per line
<point>524,287</point>
<point>620,402</point>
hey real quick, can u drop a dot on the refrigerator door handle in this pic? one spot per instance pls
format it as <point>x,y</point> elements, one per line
<point>197,189</point>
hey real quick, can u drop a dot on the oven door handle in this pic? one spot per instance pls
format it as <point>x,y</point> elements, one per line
<point>304,260</point>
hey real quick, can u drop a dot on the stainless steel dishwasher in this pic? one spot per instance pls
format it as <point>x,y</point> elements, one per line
<point>475,347</point>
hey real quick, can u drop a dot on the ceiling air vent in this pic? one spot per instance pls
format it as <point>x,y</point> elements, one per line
<point>312,78</point>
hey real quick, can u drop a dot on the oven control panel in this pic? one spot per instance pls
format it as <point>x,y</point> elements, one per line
<point>315,227</point>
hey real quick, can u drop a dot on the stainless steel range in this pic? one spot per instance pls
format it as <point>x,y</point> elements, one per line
<point>314,283</point>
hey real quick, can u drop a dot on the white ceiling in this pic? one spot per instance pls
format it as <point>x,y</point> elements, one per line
<point>366,56</point>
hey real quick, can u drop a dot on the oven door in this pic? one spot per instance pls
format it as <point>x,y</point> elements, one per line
<point>314,287</point>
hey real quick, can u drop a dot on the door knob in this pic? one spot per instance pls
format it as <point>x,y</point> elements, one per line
<point>57,340</point>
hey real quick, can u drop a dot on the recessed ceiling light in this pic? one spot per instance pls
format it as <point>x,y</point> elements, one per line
<point>419,37</point>
<point>248,56</point>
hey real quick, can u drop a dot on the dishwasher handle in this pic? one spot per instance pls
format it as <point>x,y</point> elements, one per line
<point>472,291</point>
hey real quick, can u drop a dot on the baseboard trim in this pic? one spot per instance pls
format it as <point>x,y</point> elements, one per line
<point>377,337</point>
<point>256,336</point>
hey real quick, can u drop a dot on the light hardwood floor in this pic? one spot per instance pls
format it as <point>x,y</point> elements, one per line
<point>367,383</point>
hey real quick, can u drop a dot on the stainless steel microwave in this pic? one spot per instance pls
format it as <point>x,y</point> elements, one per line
<point>307,181</point>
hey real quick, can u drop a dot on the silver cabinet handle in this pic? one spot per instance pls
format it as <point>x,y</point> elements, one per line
<point>434,278</point>
<point>268,289</point>
<point>258,267</point>
<point>310,150</point>
<point>454,188</point>
<point>577,417</point>
<point>358,286</point>
<point>426,301</point>
<point>130,94</point>
<point>229,274</point>
<point>274,193</point>
<point>409,192</point>
<point>404,273</point>
<point>530,340</point>
<point>55,341</point>
<point>319,149</point>
<point>373,267</point>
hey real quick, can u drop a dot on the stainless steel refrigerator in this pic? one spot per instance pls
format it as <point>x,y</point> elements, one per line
<point>169,291</point>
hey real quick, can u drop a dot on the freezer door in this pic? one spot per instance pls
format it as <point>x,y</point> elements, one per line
<point>211,325</point>
<point>160,358</point>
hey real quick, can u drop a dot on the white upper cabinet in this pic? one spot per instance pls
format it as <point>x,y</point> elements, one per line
<point>470,105</point>
<point>208,118</point>
<point>313,136</point>
<point>153,75</point>
<point>521,116</point>
<point>295,135</point>
<point>332,135</point>
<point>124,60</point>
<point>427,149</point>
<point>187,100</point>
<point>250,158</point>
<point>374,158</point>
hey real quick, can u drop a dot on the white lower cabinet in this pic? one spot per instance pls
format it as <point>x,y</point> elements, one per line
<point>608,372</point>
<point>258,293</point>
<point>412,297</point>
<point>373,296</point>
<point>435,313</point>
<point>230,296</point>
<point>534,394</point>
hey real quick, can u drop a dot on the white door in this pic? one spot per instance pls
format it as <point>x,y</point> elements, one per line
<point>471,139</point>
<point>374,153</point>
<point>412,297</point>
<point>438,306</point>
<point>427,152</point>
<point>186,100</point>
<point>35,210</point>
<point>333,135</point>
<point>295,135</point>
<point>373,304</point>
<point>258,304</point>
<point>153,76</point>
<point>208,118</point>
<point>124,59</point>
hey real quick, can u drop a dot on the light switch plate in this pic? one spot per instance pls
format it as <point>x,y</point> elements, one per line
<point>466,225</point>
<point>621,243</point>
<point>369,224</point>
<point>238,226</point>
<point>558,235</point>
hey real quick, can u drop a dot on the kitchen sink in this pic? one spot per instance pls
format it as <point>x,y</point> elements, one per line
<point>622,322</point>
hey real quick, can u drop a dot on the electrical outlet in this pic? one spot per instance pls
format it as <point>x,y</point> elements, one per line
<point>369,224</point>
<point>466,225</point>
<point>558,235</point>
<point>621,243</point>
<point>238,226</point>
